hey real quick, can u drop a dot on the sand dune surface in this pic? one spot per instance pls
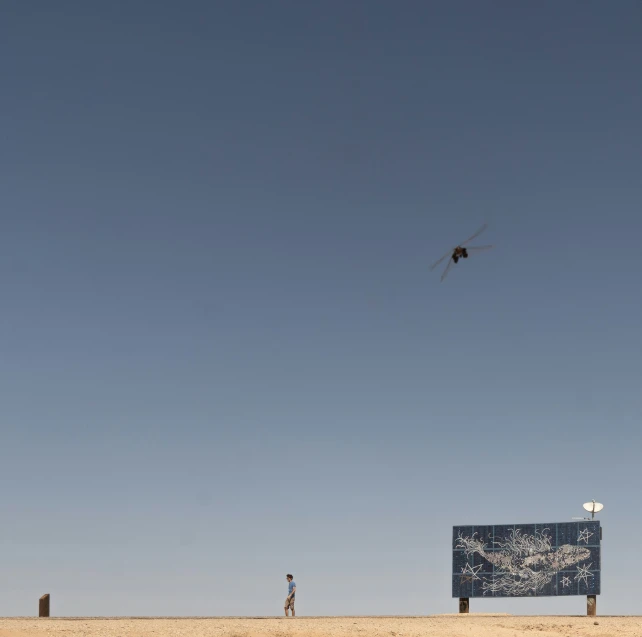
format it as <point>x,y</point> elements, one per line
<point>472,625</point>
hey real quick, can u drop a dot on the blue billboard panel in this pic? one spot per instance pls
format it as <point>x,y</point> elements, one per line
<point>527,560</point>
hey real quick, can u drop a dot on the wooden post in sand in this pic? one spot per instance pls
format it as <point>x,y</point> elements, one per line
<point>43,606</point>
<point>591,605</point>
<point>463,604</point>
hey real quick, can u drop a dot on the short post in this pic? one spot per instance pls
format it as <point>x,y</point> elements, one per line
<point>591,605</point>
<point>43,606</point>
<point>463,604</point>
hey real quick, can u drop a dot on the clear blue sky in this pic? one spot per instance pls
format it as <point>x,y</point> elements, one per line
<point>223,357</point>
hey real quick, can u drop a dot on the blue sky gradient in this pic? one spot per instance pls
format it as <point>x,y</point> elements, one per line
<point>222,354</point>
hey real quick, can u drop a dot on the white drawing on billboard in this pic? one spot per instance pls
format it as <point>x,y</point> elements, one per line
<point>524,564</point>
<point>469,573</point>
<point>583,573</point>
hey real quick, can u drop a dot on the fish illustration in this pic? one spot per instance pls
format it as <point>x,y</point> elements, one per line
<point>523,563</point>
<point>565,556</point>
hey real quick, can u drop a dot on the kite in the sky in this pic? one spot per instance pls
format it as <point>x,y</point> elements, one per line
<point>460,252</point>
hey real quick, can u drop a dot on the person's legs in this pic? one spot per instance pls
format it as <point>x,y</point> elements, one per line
<point>287,607</point>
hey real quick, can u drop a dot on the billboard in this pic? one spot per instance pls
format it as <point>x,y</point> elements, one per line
<point>527,560</point>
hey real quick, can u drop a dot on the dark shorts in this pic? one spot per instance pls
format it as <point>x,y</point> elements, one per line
<point>289,603</point>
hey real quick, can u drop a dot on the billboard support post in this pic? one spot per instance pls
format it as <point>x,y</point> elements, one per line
<point>591,605</point>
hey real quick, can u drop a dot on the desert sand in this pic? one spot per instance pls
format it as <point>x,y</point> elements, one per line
<point>472,625</point>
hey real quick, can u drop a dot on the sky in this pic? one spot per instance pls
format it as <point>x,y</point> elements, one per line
<point>223,354</point>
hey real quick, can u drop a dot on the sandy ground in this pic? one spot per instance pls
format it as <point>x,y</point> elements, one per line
<point>471,625</point>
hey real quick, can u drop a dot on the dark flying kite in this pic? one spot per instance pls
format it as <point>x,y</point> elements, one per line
<point>460,252</point>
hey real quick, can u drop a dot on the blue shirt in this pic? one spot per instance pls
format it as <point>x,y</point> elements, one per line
<point>291,585</point>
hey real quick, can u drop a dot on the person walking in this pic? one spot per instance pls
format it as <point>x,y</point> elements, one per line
<point>289,600</point>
